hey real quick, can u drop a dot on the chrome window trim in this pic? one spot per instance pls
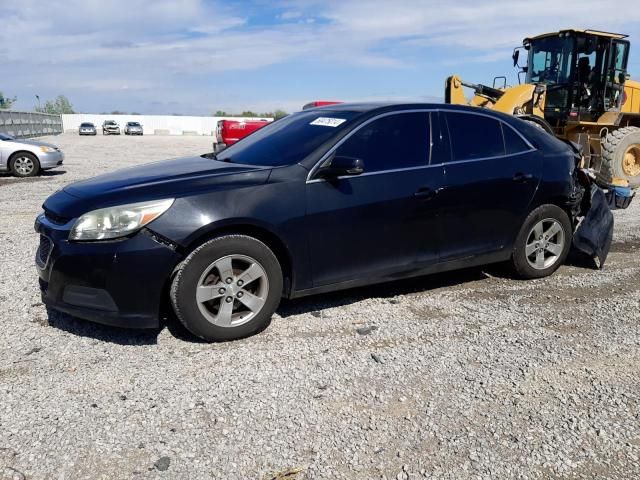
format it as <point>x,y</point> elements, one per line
<point>319,163</point>
<point>502,123</point>
<point>329,152</point>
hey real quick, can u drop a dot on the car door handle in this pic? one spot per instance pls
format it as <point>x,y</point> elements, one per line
<point>426,193</point>
<point>522,177</point>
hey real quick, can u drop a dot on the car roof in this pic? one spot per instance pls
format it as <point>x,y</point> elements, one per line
<point>375,108</point>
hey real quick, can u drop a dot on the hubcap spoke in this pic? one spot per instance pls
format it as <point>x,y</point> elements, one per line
<point>209,292</point>
<point>250,274</point>
<point>552,230</point>
<point>553,248</point>
<point>251,301</point>
<point>530,249</point>
<point>537,230</point>
<point>225,314</point>
<point>540,259</point>
<point>225,268</point>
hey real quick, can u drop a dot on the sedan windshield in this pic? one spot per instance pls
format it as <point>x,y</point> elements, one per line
<point>87,125</point>
<point>288,140</point>
<point>5,137</point>
<point>133,124</point>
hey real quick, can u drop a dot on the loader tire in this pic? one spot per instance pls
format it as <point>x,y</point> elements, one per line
<point>621,156</point>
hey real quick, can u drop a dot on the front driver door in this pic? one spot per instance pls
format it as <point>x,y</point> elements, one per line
<point>375,224</point>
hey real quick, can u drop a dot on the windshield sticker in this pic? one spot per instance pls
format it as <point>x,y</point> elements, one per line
<point>328,122</point>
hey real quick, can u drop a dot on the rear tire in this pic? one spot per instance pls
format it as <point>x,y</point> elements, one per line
<point>24,165</point>
<point>543,242</point>
<point>621,156</point>
<point>228,288</point>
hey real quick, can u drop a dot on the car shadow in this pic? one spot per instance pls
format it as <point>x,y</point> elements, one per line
<point>104,333</point>
<point>312,304</point>
<point>387,290</point>
<point>52,173</point>
<point>7,178</point>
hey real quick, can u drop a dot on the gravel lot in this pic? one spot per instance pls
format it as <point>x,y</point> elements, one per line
<point>462,375</point>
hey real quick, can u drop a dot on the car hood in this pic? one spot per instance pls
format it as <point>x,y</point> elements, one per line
<point>166,179</point>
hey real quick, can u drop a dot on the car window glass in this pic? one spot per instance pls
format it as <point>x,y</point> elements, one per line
<point>288,140</point>
<point>513,142</point>
<point>474,136</point>
<point>395,141</point>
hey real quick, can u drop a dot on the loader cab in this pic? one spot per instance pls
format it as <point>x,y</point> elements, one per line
<point>583,71</point>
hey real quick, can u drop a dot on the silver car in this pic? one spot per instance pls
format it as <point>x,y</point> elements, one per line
<point>87,128</point>
<point>133,128</point>
<point>110,127</point>
<point>26,158</point>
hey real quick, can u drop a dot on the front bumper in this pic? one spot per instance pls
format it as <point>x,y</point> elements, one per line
<point>50,160</point>
<point>87,132</point>
<point>118,282</point>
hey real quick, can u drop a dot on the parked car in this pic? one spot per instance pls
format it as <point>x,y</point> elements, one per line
<point>229,132</point>
<point>87,128</point>
<point>133,128</point>
<point>26,158</point>
<point>110,127</point>
<point>321,200</point>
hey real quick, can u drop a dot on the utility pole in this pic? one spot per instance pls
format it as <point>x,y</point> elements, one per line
<point>39,107</point>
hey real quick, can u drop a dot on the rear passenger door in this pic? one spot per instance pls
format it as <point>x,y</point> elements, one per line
<point>490,179</point>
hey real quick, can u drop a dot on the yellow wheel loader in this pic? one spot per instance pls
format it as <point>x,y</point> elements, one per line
<point>576,87</point>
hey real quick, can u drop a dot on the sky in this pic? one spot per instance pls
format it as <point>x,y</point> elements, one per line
<point>194,57</point>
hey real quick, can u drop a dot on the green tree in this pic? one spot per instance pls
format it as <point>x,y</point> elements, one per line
<point>57,107</point>
<point>249,113</point>
<point>6,103</point>
<point>221,113</point>
<point>278,114</point>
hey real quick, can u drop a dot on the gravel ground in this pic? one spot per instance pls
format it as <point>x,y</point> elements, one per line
<point>461,375</point>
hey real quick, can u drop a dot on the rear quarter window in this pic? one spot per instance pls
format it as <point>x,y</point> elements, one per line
<point>474,136</point>
<point>513,143</point>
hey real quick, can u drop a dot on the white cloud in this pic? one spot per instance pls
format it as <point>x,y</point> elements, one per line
<point>154,48</point>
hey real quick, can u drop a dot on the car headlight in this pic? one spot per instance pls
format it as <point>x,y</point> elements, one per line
<point>47,149</point>
<point>118,221</point>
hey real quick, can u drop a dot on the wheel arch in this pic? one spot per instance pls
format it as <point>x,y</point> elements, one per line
<point>259,232</point>
<point>18,152</point>
<point>559,201</point>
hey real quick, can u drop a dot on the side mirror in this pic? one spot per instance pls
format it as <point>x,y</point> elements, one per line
<point>515,57</point>
<point>341,166</point>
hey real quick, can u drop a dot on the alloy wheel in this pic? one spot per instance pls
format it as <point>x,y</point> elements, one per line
<point>545,243</point>
<point>23,165</point>
<point>232,290</point>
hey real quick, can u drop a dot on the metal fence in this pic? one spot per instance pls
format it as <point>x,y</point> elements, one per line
<point>29,124</point>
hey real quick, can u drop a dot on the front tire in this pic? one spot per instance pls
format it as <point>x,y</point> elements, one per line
<point>24,165</point>
<point>543,242</point>
<point>227,288</point>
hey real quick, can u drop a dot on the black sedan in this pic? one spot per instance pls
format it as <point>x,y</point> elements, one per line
<point>325,199</point>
